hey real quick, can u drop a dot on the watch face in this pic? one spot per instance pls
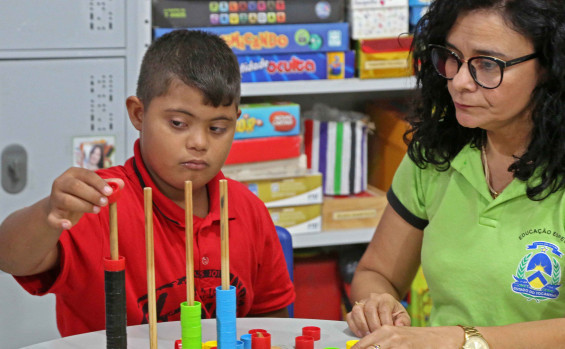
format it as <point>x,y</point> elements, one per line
<point>476,342</point>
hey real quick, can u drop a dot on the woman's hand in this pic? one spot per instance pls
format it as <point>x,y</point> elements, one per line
<point>378,310</point>
<point>404,337</point>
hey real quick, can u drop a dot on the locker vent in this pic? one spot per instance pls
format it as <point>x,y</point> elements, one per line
<point>102,15</point>
<point>102,103</point>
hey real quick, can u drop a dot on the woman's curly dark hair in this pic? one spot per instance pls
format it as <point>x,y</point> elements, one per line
<point>436,137</point>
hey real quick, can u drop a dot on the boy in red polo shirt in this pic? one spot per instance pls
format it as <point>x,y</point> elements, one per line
<point>185,110</point>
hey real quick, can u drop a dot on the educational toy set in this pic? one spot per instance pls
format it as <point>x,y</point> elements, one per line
<point>205,13</point>
<point>191,328</point>
<point>384,58</point>
<point>371,19</point>
<point>268,120</point>
<point>417,9</point>
<point>297,66</point>
<point>287,38</point>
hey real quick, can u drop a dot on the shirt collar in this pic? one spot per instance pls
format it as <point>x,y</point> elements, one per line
<point>468,162</point>
<point>170,210</point>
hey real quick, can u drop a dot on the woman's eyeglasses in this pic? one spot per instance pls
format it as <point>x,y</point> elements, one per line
<point>486,71</point>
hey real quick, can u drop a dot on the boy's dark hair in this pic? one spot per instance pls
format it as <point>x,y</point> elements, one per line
<point>198,59</point>
<point>436,136</point>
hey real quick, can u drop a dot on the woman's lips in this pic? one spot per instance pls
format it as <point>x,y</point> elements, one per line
<point>462,106</point>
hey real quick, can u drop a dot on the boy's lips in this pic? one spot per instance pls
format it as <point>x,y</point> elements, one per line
<point>195,164</point>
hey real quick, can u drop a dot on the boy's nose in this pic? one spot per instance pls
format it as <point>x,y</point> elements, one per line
<point>197,141</point>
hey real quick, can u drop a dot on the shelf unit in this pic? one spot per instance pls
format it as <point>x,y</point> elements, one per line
<point>347,93</point>
<point>326,86</point>
<point>333,238</point>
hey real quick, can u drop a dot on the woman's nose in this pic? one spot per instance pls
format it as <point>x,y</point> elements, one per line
<point>463,80</point>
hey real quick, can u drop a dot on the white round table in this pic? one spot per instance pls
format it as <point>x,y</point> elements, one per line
<point>283,333</point>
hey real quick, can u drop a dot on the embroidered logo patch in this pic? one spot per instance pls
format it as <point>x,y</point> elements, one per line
<point>539,272</point>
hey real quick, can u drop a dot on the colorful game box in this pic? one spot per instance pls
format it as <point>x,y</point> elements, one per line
<point>359,4</point>
<point>298,66</point>
<point>268,120</point>
<point>384,58</point>
<point>281,38</point>
<point>205,13</point>
<point>416,13</point>
<point>371,19</point>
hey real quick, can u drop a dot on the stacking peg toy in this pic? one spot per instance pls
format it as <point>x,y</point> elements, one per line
<point>115,281</point>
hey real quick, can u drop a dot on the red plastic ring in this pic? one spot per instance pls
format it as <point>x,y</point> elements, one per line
<point>116,192</point>
<point>263,342</point>
<point>304,342</point>
<point>115,265</point>
<point>311,331</point>
<point>255,330</point>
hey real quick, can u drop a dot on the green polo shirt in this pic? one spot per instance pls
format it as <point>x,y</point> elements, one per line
<point>487,261</point>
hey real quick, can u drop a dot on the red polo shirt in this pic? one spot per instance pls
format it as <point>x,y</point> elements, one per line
<point>257,265</point>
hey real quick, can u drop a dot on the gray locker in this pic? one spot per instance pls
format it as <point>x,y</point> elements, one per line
<point>66,67</point>
<point>62,24</point>
<point>45,104</point>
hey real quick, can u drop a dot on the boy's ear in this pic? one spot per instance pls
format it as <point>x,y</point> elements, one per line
<point>135,111</point>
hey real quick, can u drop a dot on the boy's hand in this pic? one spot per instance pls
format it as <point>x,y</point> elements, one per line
<point>76,192</point>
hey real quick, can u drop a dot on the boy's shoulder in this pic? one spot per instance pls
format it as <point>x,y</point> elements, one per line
<point>113,172</point>
<point>129,171</point>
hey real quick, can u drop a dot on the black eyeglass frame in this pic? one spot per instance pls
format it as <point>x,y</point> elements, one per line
<point>501,63</point>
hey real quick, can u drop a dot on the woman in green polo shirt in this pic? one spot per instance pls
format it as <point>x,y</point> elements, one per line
<point>479,199</point>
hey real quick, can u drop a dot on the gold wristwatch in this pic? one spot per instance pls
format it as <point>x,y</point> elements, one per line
<point>473,339</point>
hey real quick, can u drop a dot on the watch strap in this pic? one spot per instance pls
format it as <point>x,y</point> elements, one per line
<point>470,331</point>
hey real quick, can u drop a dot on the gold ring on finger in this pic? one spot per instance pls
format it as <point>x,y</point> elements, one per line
<point>361,304</point>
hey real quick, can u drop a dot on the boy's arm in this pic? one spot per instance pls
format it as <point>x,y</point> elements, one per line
<point>28,237</point>
<point>27,244</point>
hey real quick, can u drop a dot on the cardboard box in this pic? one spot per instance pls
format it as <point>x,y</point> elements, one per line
<point>291,191</point>
<point>361,4</point>
<point>280,38</point>
<point>268,120</point>
<point>386,145</point>
<point>297,66</point>
<point>264,149</point>
<point>253,171</point>
<point>298,219</point>
<point>384,58</point>
<point>416,13</point>
<point>205,13</point>
<point>363,210</point>
<point>372,23</point>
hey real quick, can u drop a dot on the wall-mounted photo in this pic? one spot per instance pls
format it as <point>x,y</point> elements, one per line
<point>94,153</point>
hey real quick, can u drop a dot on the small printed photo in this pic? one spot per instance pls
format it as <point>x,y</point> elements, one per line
<point>94,153</point>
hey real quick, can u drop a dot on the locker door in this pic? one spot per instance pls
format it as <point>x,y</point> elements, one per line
<point>45,105</point>
<point>62,24</point>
